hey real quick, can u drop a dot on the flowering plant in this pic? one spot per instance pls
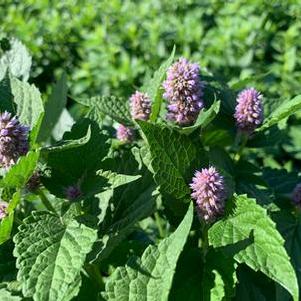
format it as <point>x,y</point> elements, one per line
<point>178,192</point>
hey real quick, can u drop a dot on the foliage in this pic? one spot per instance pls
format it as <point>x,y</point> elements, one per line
<point>88,217</point>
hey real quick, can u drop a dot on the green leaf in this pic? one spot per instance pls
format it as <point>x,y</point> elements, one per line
<point>28,100</point>
<point>18,175</point>
<point>5,295</point>
<point>6,96</point>
<point>7,223</point>
<point>50,254</point>
<point>132,203</point>
<point>204,118</point>
<point>188,275</point>
<point>219,278</point>
<point>78,165</point>
<point>154,86</point>
<point>151,277</point>
<point>63,125</point>
<point>283,111</point>
<point>265,247</point>
<point>16,60</point>
<point>54,107</point>
<point>289,226</point>
<point>172,156</point>
<point>115,179</point>
<point>69,144</point>
<point>115,107</point>
<point>253,286</point>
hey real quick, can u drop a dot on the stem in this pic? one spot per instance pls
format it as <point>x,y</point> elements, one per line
<point>159,225</point>
<point>45,201</point>
<point>243,139</point>
<point>205,243</point>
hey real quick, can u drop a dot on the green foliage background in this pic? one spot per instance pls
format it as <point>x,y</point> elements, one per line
<point>107,47</point>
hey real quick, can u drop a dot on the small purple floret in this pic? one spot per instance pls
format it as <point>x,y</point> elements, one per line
<point>140,105</point>
<point>3,210</point>
<point>209,193</point>
<point>125,134</point>
<point>249,110</point>
<point>297,195</point>
<point>72,192</point>
<point>183,92</point>
<point>13,139</point>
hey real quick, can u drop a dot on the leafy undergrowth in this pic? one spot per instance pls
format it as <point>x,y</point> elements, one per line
<point>88,215</point>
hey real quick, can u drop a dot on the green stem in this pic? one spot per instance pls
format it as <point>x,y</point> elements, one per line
<point>45,201</point>
<point>205,242</point>
<point>159,225</point>
<point>243,141</point>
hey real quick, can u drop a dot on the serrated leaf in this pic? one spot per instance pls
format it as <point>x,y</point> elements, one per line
<point>50,254</point>
<point>6,96</point>
<point>283,111</point>
<point>265,249</point>
<point>78,166</point>
<point>115,107</point>
<point>253,286</point>
<point>151,278</point>
<point>54,108</point>
<point>16,61</point>
<point>219,278</point>
<point>133,202</point>
<point>290,227</point>
<point>188,275</point>
<point>5,295</point>
<point>154,89</point>
<point>64,145</point>
<point>63,125</point>
<point>204,118</point>
<point>115,179</point>
<point>172,155</point>
<point>18,175</point>
<point>28,100</point>
<point>7,223</point>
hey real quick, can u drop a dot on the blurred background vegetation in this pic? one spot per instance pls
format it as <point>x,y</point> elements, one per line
<point>108,47</point>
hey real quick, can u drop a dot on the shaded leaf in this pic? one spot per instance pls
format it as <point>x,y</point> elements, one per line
<point>151,277</point>
<point>265,252</point>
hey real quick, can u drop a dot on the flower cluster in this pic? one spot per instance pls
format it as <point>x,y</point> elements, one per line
<point>297,195</point>
<point>72,192</point>
<point>125,134</point>
<point>183,91</point>
<point>140,105</point>
<point>249,110</point>
<point>3,209</point>
<point>209,193</point>
<point>13,139</point>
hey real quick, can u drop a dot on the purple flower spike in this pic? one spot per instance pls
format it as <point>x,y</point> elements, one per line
<point>183,91</point>
<point>297,195</point>
<point>140,105</point>
<point>209,193</point>
<point>3,210</point>
<point>13,139</point>
<point>125,134</point>
<point>249,110</point>
<point>73,192</point>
